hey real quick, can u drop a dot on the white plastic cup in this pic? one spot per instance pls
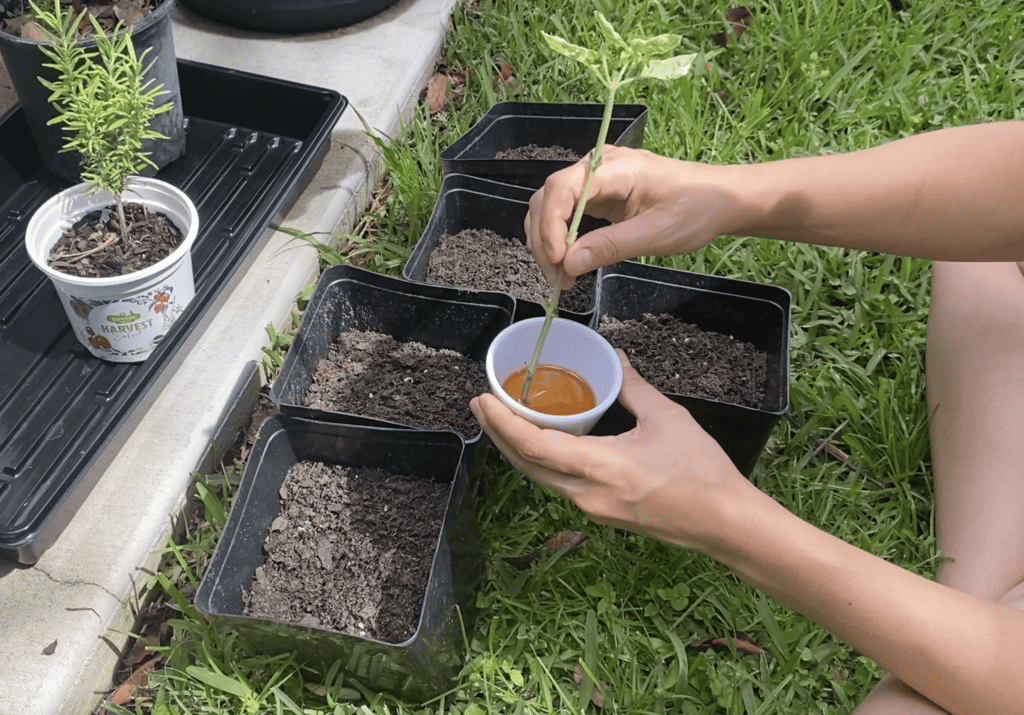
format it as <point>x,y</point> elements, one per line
<point>120,318</point>
<point>569,344</point>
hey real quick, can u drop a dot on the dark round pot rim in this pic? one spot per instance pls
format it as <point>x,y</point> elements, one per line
<point>150,20</point>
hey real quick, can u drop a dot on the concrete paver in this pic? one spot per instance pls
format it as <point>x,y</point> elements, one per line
<point>81,592</point>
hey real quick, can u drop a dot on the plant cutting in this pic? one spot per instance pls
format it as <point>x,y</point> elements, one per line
<point>123,269</point>
<point>617,63</point>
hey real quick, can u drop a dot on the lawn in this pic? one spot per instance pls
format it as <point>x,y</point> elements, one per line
<point>805,78</point>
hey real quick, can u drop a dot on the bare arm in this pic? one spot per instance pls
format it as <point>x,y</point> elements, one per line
<point>668,479</point>
<point>948,195</point>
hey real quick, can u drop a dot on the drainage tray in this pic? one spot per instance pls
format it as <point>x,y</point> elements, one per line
<point>253,145</point>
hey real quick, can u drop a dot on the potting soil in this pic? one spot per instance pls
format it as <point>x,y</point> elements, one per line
<point>534,152</point>
<point>374,375</point>
<point>350,551</point>
<point>94,247</point>
<point>482,259</point>
<point>680,358</point>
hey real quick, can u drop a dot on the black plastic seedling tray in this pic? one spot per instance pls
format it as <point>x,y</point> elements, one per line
<point>471,202</point>
<point>755,313</point>
<point>511,125</point>
<point>351,298</point>
<point>427,663</point>
<point>253,143</point>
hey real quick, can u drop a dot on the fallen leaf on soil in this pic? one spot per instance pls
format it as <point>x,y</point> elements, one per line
<point>138,679</point>
<point>442,89</point>
<point>737,639</point>
<point>568,540</point>
<point>740,17</point>
<point>30,31</point>
<point>506,76</point>
<point>50,649</point>
<point>595,697</point>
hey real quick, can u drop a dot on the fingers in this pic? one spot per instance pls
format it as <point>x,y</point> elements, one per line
<point>547,220</point>
<point>640,397</point>
<point>526,444</point>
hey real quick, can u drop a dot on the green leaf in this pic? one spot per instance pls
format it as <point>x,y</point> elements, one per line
<point>611,35</point>
<point>218,681</point>
<point>665,70</point>
<point>563,47</point>
<point>655,45</point>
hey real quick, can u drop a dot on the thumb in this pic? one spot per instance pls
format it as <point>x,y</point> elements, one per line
<point>605,246</point>
<point>638,396</point>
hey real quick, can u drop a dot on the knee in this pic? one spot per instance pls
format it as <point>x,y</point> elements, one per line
<point>983,295</point>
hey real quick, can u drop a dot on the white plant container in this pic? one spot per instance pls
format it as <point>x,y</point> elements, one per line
<point>120,318</point>
<point>569,344</point>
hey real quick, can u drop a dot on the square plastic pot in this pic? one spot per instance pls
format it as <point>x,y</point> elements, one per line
<point>755,313</point>
<point>350,298</point>
<point>429,661</point>
<point>511,125</point>
<point>471,202</point>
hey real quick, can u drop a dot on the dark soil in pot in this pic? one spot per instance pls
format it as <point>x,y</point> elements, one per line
<point>481,259</point>
<point>94,248</point>
<point>680,358</point>
<point>130,12</point>
<point>375,375</point>
<point>351,551</point>
<point>544,153</point>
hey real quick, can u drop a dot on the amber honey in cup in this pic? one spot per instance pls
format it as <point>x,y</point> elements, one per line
<point>555,390</point>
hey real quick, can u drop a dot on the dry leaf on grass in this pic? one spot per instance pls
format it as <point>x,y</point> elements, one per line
<point>138,679</point>
<point>568,540</point>
<point>737,639</point>
<point>740,18</point>
<point>506,76</point>
<point>596,697</point>
<point>443,89</point>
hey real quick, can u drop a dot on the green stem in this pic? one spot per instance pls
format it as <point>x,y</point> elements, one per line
<point>551,305</point>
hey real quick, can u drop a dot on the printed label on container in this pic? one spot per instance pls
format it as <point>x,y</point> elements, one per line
<point>127,328</point>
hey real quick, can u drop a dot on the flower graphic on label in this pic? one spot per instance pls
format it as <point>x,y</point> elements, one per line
<point>160,301</point>
<point>97,341</point>
<point>81,308</point>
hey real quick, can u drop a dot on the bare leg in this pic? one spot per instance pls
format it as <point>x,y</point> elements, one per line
<point>976,399</point>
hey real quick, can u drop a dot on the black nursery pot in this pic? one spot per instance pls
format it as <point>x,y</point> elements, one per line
<point>471,202</point>
<point>511,125</point>
<point>419,668</point>
<point>24,60</point>
<point>350,298</point>
<point>753,312</point>
<point>289,15</point>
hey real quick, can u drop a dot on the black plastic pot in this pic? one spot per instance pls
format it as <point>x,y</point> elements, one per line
<point>254,143</point>
<point>471,202</point>
<point>510,125</point>
<point>350,298</point>
<point>289,15</point>
<point>417,669</point>
<point>755,313</point>
<point>24,60</point>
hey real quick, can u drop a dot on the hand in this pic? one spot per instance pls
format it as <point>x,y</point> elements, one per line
<point>667,478</point>
<point>658,206</point>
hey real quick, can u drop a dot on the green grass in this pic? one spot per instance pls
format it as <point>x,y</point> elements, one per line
<point>809,77</point>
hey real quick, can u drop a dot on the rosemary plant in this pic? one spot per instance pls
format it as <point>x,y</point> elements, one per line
<point>102,98</point>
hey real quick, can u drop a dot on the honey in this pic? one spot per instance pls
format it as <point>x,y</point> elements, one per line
<point>555,390</point>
